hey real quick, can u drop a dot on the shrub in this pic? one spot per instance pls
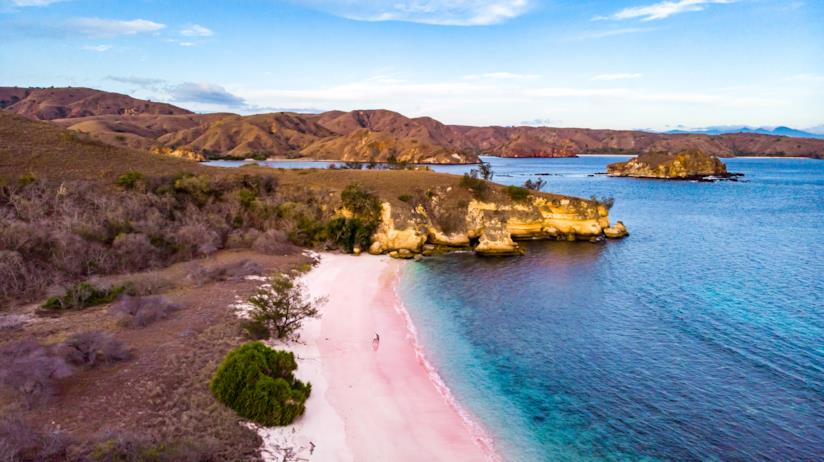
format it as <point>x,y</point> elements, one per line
<point>606,201</point>
<point>349,233</point>
<point>126,448</point>
<point>516,193</point>
<point>20,442</point>
<point>273,242</point>
<point>478,186</point>
<point>134,251</point>
<point>255,329</point>
<point>282,306</point>
<point>485,171</point>
<point>142,311</point>
<point>83,295</point>
<point>361,202</point>
<point>258,383</point>
<point>200,274</point>
<point>129,180</point>
<point>405,198</point>
<point>31,371</point>
<point>535,185</point>
<point>93,348</point>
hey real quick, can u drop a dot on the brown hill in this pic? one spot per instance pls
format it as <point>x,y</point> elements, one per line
<point>59,103</point>
<point>362,135</point>
<point>45,150</point>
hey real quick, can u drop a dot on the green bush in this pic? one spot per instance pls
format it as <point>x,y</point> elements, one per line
<point>478,186</point>
<point>361,202</point>
<point>405,198</point>
<point>83,295</point>
<point>349,233</point>
<point>516,193</point>
<point>129,180</point>
<point>258,383</point>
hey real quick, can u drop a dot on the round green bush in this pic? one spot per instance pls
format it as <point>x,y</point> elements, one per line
<point>257,383</point>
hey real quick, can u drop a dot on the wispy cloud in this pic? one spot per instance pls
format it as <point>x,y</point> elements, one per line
<point>25,3</point>
<point>501,76</point>
<point>205,93</point>
<point>807,77</point>
<point>599,34</point>
<point>196,30</point>
<point>97,48</point>
<point>662,10</point>
<point>437,12</point>
<point>100,27</point>
<point>618,76</point>
<point>142,82</point>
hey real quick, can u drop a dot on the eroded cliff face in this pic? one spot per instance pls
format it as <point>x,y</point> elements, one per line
<point>682,165</point>
<point>181,153</point>
<point>490,227</point>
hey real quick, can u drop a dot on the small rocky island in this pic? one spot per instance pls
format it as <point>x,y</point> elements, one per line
<point>683,165</point>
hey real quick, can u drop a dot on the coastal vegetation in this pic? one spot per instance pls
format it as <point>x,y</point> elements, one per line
<point>259,384</point>
<point>279,307</point>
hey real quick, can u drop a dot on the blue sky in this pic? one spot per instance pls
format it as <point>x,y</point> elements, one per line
<point>602,64</point>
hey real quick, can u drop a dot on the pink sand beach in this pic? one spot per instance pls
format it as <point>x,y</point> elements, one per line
<point>372,402</point>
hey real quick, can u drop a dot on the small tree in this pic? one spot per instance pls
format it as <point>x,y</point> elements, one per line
<point>535,185</point>
<point>282,306</point>
<point>485,171</point>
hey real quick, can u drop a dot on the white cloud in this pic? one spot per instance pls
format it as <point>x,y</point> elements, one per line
<point>196,30</point>
<point>97,48</point>
<point>437,12</point>
<point>662,10</point>
<point>619,76</point>
<point>99,27</point>
<point>186,44</point>
<point>501,76</point>
<point>24,3</point>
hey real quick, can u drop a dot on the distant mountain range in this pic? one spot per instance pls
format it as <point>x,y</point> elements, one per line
<point>812,132</point>
<point>375,135</point>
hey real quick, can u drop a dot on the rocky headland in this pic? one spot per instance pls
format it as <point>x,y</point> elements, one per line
<point>489,226</point>
<point>683,165</point>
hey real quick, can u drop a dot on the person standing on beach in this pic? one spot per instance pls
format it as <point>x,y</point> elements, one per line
<point>376,342</point>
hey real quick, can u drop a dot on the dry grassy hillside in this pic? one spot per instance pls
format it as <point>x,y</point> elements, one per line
<point>58,103</point>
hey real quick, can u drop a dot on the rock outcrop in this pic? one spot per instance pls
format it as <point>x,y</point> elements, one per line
<point>683,165</point>
<point>491,227</point>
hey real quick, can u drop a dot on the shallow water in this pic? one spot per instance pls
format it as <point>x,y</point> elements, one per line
<point>699,337</point>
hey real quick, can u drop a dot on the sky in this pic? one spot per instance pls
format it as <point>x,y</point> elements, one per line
<point>628,64</point>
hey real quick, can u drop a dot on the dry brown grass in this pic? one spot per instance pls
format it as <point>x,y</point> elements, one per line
<point>162,393</point>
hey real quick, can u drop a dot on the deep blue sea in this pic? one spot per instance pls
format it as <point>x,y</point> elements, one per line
<point>699,337</point>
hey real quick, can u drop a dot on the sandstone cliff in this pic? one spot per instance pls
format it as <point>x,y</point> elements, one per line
<point>492,225</point>
<point>682,165</point>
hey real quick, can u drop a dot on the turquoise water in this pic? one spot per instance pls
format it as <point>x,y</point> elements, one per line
<point>699,337</point>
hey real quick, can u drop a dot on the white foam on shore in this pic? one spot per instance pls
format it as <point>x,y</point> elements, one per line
<point>479,434</point>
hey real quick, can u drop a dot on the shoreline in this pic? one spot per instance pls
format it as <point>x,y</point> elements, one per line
<point>367,403</point>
